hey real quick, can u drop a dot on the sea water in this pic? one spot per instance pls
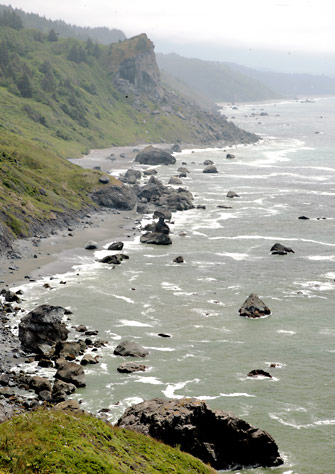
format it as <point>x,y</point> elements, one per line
<point>290,173</point>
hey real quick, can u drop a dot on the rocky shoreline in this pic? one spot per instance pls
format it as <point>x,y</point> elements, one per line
<point>46,339</point>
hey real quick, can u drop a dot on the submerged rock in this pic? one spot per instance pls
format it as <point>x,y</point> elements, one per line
<point>216,437</point>
<point>210,169</point>
<point>253,307</point>
<point>279,249</point>
<point>232,194</point>
<point>259,373</point>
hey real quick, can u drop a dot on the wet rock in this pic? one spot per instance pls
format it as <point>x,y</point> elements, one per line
<point>279,249</point>
<point>130,349</point>
<point>91,245</point>
<point>253,307</point>
<point>210,169</point>
<point>42,328</point>
<point>165,213</point>
<point>150,172</point>
<point>304,218</point>
<point>70,349</point>
<point>174,180</point>
<point>178,259</point>
<point>10,296</point>
<point>132,174</point>
<point>71,372</point>
<point>222,206</point>
<point>232,194</point>
<point>116,246</point>
<point>182,169</point>
<point>259,373</point>
<point>111,259</point>
<point>81,328</point>
<point>162,334</point>
<point>230,156</point>
<point>208,162</point>
<point>88,359</point>
<point>155,238</point>
<point>38,384</point>
<point>216,437</point>
<point>154,156</point>
<point>130,367</point>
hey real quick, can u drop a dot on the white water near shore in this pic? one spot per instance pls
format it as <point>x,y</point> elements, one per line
<point>226,253</point>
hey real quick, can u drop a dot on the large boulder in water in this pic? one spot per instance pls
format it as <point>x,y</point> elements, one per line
<point>130,349</point>
<point>115,197</point>
<point>154,156</point>
<point>42,327</point>
<point>156,238</point>
<point>253,307</point>
<point>210,169</point>
<point>216,437</point>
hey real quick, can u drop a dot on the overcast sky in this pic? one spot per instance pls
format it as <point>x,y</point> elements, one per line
<point>286,26</point>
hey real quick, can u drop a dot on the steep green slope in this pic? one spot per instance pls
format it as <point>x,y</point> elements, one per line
<point>218,81</point>
<point>64,443</point>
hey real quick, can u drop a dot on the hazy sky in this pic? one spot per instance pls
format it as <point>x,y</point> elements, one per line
<point>286,26</point>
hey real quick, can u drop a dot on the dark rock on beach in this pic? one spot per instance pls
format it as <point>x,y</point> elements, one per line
<point>155,156</point>
<point>208,162</point>
<point>42,328</point>
<point>253,307</point>
<point>115,197</point>
<point>130,349</point>
<point>178,259</point>
<point>165,213</point>
<point>304,218</point>
<point>230,156</point>
<point>216,437</point>
<point>91,245</point>
<point>279,249</point>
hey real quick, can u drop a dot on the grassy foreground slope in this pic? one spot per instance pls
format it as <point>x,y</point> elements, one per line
<point>64,443</point>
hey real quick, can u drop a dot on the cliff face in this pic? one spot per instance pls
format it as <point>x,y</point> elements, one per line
<point>136,74</point>
<point>134,66</point>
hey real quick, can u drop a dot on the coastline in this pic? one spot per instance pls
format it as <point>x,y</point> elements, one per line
<point>57,253</point>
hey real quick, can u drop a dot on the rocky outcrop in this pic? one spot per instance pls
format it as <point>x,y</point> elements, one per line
<point>216,437</point>
<point>279,249</point>
<point>42,328</point>
<point>154,156</point>
<point>253,307</point>
<point>115,197</point>
<point>166,197</point>
<point>259,373</point>
<point>130,349</point>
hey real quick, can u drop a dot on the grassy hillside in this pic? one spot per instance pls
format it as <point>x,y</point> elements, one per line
<point>218,81</point>
<point>58,443</point>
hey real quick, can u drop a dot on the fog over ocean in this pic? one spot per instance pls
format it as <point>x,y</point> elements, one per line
<point>290,173</point>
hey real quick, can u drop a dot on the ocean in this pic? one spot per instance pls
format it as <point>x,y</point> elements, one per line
<point>290,173</point>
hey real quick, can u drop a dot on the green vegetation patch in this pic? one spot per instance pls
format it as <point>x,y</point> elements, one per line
<point>55,442</point>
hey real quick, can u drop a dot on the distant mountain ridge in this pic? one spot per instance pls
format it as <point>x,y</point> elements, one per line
<point>217,81</point>
<point>101,35</point>
<point>230,82</point>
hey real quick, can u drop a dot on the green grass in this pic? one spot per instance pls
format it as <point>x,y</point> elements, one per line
<point>54,442</point>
